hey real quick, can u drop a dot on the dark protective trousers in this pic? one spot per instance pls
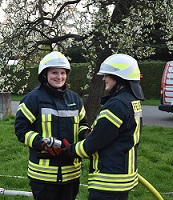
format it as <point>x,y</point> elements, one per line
<point>46,191</point>
<point>104,195</point>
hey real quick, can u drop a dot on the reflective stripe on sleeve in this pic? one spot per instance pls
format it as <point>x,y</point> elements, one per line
<point>82,113</point>
<point>27,112</point>
<point>80,149</point>
<point>111,117</point>
<point>29,137</point>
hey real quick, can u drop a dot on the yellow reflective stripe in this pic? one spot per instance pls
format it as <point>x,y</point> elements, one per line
<point>118,65</point>
<point>68,177</point>
<point>111,117</point>
<point>134,74</point>
<point>131,164</point>
<point>75,128</point>
<point>81,128</point>
<point>27,112</point>
<point>46,125</point>
<point>42,176</point>
<point>50,173</point>
<point>70,168</point>
<point>44,162</point>
<point>136,134</point>
<point>80,149</point>
<point>113,178</point>
<point>112,186</point>
<point>82,113</point>
<point>29,137</point>
<point>70,172</point>
<point>41,168</point>
<point>95,161</point>
<point>76,161</point>
<point>112,182</point>
<point>51,58</point>
<point>46,133</point>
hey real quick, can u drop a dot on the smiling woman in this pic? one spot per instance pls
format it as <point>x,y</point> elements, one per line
<point>48,112</point>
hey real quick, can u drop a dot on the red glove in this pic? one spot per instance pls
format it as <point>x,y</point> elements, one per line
<point>52,146</point>
<point>65,144</point>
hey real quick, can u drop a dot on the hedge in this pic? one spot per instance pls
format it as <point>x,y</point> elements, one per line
<point>151,71</point>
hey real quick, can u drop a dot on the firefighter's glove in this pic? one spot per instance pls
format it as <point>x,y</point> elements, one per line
<point>52,146</point>
<point>65,144</point>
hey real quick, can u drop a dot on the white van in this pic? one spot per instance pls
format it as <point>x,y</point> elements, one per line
<point>166,93</point>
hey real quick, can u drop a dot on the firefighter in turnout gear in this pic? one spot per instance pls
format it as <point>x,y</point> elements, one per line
<point>113,142</point>
<point>50,112</point>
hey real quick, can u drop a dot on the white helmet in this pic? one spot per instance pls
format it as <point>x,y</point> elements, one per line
<point>121,65</point>
<point>54,59</point>
<point>125,67</point>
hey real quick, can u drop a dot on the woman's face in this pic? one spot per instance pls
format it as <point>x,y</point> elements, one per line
<point>56,77</point>
<point>109,82</point>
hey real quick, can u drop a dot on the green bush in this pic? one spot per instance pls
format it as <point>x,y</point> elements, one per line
<point>152,75</point>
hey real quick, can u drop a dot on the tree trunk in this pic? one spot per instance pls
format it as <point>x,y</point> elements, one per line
<point>5,105</point>
<point>92,101</point>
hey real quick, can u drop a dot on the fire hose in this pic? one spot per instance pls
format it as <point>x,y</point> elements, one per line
<point>150,187</point>
<point>141,180</point>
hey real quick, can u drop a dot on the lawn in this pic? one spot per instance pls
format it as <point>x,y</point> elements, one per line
<point>155,163</point>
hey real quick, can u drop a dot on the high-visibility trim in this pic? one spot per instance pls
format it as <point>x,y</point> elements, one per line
<point>75,128</point>
<point>50,173</point>
<point>42,176</point>
<point>47,59</point>
<point>41,168</point>
<point>44,162</point>
<point>118,66</point>
<point>29,137</point>
<point>136,134</point>
<point>111,117</point>
<point>134,74</point>
<point>80,149</point>
<point>71,172</point>
<point>46,133</point>
<point>112,182</point>
<point>131,164</point>
<point>60,113</point>
<point>46,125</point>
<point>82,113</point>
<point>112,186</point>
<point>70,168</point>
<point>68,177</point>
<point>27,112</point>
<point>95,161</point>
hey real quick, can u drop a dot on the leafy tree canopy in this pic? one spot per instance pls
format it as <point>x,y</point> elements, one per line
<point>32,28</point>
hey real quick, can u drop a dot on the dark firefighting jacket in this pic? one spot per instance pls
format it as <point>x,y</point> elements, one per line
<point>43,113</point>
<point>112,145</point>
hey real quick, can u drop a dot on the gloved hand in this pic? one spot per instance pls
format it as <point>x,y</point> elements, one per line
<point>65,144</point>
<point>52,146</point>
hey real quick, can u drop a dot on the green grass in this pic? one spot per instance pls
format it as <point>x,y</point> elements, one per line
<point>151,102</point>
<point>155,162</point>
<point>16,97</point>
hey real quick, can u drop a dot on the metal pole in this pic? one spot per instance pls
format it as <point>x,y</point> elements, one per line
<point>14,192</point>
